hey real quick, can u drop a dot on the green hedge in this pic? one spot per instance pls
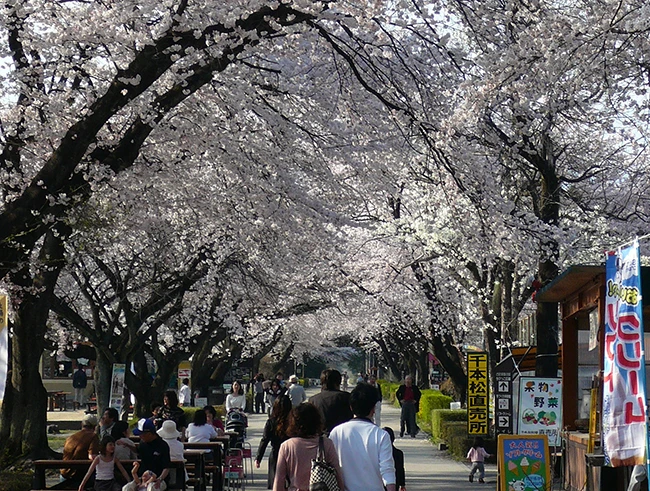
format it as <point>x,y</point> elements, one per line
<point>388,390</point>
<point>441,417</point>
<point>430,400</point>
<point>455,436</point>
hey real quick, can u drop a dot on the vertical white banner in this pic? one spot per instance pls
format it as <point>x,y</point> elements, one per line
<point>4,345</point>
<point>117,386</point>
<point>624,432</point>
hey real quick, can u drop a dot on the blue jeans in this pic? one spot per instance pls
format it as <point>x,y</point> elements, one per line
<point>478,466</point>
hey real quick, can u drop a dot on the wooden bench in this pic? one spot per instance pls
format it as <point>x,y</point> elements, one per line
<point>41,466</point>
<point>214,469</point>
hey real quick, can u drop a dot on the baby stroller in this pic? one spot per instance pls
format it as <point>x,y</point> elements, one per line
<point>237,422</point>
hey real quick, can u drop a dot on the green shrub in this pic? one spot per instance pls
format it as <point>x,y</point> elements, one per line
<point>388,390</point>
<point>430,400</point>
<point>458,442</point>
<point>441,417</point>
<point>304,382</point>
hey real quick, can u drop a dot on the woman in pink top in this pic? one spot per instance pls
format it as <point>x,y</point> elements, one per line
<point>296,454</point>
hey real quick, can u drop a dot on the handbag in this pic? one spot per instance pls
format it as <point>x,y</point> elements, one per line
<point>323,475</point>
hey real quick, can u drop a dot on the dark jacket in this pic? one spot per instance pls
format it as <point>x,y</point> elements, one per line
<point>399,395</point>
<point>270,436</point>
<point>400,474</point>
<point>79,379</point>
<point>334,406</point>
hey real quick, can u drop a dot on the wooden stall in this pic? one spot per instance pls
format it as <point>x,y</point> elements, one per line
<point>580,292</point>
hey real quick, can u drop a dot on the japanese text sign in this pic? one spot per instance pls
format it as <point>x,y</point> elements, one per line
<point>477,394</point>
<point>523,462</point>
<point>624,412</point>
<point>540,408</point>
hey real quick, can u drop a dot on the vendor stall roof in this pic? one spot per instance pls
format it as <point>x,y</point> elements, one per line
<point>576,278</point>
<point>568,282</point>
<point>523,357</point>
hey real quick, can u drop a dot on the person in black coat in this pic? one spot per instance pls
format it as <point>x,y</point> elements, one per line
<point>333,403</point>
<point>275,433</point>
<point>398,457</point>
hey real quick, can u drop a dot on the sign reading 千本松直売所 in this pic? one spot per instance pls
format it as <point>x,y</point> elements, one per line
<point>540,408</point>
<point>477,394</point>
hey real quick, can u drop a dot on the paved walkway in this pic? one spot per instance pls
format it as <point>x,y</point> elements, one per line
<point>427,468</point>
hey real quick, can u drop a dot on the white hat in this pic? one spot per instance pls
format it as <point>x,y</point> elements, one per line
<point>89,420</point>
<point>293,379</point>
<point>168,430</point>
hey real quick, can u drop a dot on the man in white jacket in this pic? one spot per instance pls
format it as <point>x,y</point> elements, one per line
<point>364,450</point>
<point>296,392</point>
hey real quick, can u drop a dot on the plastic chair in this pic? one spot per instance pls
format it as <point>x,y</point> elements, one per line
<point>247,455</point>
<point>233,470</point>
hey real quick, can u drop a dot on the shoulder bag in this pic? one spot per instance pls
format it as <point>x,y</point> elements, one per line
<point>323,475</point>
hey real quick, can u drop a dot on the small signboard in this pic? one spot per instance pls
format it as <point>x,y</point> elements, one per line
<point>117,386</point>
<point>540,408</point>
<point>477,394</point>
<point>200,401</point>
<point>523,462</point>
<point>503,410</point>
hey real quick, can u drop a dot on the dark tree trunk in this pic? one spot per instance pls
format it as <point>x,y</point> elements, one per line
<point>452,361</point>
<point>547,313</point>
<point>389,358</point>
<point>423,372</point>
<point>103,375</point>
<point>23,416</point>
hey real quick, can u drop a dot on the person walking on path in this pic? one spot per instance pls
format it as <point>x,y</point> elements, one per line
<point>236,400</point>
<point>272,394</point>
<point>275,433</point>
<point>296,392</point>
<point>476,456</point>
<point>364,450</point>
<point>333,403</point>
<point>373,381</point>
<point>79,384</point>
<point>258,391</point>
<point>398,458</point>
<point>408,396</point>
<point>296,454</point>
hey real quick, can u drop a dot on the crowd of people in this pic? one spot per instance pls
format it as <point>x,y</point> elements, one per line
<point>339,427</point>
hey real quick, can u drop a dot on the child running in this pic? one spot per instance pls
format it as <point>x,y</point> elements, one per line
<point>105,464</point>
<point>476,456</point>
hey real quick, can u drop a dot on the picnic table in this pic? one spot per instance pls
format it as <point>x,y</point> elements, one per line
<point>57,399</point>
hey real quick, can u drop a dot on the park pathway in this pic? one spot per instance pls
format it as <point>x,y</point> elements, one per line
<point>427,468</point>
